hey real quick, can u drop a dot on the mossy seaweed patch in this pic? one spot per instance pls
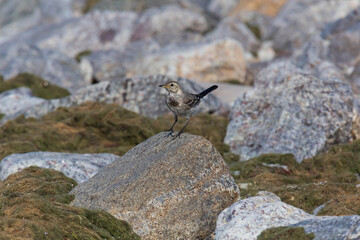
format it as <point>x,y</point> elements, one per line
<point>285,233</point>
<point>39,87</point>
<point>98,128</point>
<point>33,205</point>
<point>307,185</point>
<point>2,115</point>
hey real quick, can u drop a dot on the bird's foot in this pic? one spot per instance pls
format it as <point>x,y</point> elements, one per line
<point>176,136</point>
<point>170,134</point>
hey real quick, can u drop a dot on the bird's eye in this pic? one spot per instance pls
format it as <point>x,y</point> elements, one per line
<point>171,85</point>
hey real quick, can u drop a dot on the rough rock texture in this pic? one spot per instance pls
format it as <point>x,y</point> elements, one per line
<point>152,188</point>
<point>233,27</point>
<point>34,205</point>
<point>140,94</point>
<point>355,78</point>
<point>49,64</point>
<point>79,167</point>
<point>17,16</point>
<point>300,19</point>
<point>112,65</point>
<point>221,8</point>
<point>98,30</point>
<point>272,120</point>
<point>170,24</point>
<point>16,100</point>
<point>247,218</point>
<point>344,38</point>
<point>218,60</point>
<point>267,7</point>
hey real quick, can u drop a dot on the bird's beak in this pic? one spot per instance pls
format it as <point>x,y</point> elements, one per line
<point>163,85</point>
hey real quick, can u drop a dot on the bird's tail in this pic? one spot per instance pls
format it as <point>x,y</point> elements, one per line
<point>207,91</point>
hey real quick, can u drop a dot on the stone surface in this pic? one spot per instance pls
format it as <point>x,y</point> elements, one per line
<point>267,7</point>
<point>301,114</point>
<point>170,24</point>
<point>300,19</point>
<point>247,218</point>
<point>152,188</point>
<point>79,167</point>
<point>16,100</point>
<point>344,38</point>
<point>17,16</point>
<point>140,94</point>
<point>221,8</point>
<point>355,78</point>
<point>98,30</point>
<point>49,64</point>
<point>233,27</point>
<point>218,61</point>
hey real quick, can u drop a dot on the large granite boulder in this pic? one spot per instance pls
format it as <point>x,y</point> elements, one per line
<point>17,16</point>
<point>300,19</point>
<point>165,188</point>
<point>268,8</point>
<point>79,167</point>
<point>233,27</point>
<point>344,39</point>
<point>16,100</point>
<point>139,94</point>
<point>170,24</point>
<point>221,8</point>
<point>98,30</point>
<point>247,218</point>
<point>49,64</point>
<point>293,112</point>
<point>218,60</point>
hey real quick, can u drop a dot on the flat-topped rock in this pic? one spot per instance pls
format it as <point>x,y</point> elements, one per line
<point>165,188</point>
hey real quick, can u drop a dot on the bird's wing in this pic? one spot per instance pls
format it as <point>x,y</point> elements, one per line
<point>191,100</point>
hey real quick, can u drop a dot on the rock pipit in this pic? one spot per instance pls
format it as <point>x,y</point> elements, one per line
<point>182,103</point>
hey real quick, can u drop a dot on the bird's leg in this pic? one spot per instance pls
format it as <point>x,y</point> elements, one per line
<point>183,128</point>
<point>171,129</point>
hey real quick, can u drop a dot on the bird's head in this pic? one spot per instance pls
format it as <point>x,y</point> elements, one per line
<point>172,86</point>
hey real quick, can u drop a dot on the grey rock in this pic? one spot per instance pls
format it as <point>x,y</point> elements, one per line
<point>80,167</point>
<point>293,113</point>
<point>213,61</point>
<point>151,187</point>
<point>300,19</point>
<point>233,27</point>
<point>170,24</point>
<point>111,64</point>
<point>16,100</point>
<point>17,16</point>
<point>344,38</point>
<point>246,219</point>
<point>221,8</point>
<point>355,78</point>
<point>98,30</point>
<point>140,94</point>
<point>49,64</point>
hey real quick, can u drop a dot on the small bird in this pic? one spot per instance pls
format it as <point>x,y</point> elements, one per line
<point>182,103</point>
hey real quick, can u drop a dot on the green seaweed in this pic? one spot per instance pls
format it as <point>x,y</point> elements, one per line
<point>285,233</point>
<point>2,115</point>
<point>39,87</point>
<point>34,205</point>
<point>89,4</point>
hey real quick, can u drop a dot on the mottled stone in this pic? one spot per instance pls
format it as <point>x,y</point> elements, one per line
<point>49,64</point>
<point>16,100</point>
<point>300,19</point>
<point>233,27</point>
<point>269,8</point>
<point>221,8</point>
<point>79,167</point>
<point>293,112</point>
<point>247,218</point>
<point>170,24</point>
<point>344,40</point>
<point>355,78</point>
<point>140,94</point>
<point>98,30</point>
<point>164,195</point>
<point>17,16</point>
<point>218,61</point>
